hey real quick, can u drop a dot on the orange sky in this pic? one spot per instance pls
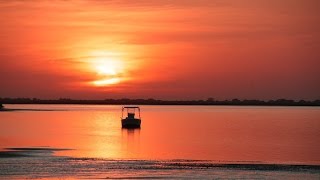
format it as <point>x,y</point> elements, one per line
<point>168,49</point>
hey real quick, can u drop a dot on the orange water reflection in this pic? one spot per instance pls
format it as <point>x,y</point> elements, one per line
<point>281,135</point>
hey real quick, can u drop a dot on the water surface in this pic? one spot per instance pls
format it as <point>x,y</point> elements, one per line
<point>229,135</point>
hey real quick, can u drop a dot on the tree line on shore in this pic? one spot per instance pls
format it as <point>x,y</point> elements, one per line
<point>125,101</point>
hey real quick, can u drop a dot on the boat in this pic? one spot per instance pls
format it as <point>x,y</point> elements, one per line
<point>131,121</point>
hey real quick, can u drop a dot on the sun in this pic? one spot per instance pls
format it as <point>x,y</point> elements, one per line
<point>109,70</point>
<point>108,66</point>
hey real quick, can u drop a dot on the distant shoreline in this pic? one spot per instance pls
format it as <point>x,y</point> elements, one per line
<point>45,110</point>
<point>208,102</point>
<point>7,109</point>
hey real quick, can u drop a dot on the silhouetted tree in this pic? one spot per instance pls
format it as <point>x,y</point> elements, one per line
<point>236,101</point>
<point>210,99</point>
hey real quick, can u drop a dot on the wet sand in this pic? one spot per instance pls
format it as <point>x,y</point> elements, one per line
<point>28,152</point>
<point>40,162</point>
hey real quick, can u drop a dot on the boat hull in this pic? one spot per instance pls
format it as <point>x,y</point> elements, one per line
<point>131,123</point>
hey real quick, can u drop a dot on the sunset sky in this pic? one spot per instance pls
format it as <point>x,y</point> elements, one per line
<point>163,49</point>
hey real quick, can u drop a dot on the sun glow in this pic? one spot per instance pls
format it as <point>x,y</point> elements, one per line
<point>109,68</point>
<point>105,82</point>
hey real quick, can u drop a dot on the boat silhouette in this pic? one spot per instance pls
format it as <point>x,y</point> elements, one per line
<point>131,121</point>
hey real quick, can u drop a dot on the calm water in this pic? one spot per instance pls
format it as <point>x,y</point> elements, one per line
<point>173,142</point>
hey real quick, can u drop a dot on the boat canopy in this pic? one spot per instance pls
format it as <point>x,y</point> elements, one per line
<point>131,110</point>
<point>131,107</point>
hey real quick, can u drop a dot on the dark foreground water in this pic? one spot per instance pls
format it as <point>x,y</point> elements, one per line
<point>202,142</point>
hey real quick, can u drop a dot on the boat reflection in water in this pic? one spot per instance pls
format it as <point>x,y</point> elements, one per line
<point>130,146</point>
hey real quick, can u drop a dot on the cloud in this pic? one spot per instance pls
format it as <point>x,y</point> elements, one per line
<point>160,4</point>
